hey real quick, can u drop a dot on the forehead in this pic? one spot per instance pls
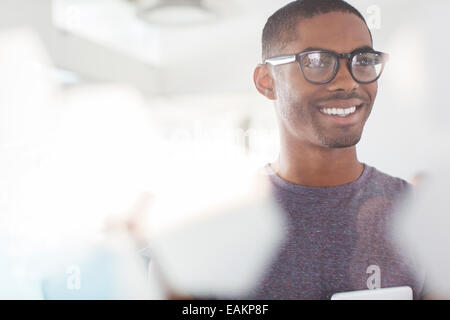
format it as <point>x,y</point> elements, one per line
<point>337,31</point>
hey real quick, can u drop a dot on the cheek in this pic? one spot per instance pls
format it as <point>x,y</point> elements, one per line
<point>294,98</point>
<point>292,92</point>
<point>286,96</point>
<point>292,105</point>
<point>372,91</point>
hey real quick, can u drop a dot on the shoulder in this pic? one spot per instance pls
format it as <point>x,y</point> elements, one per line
<point>388,184</point>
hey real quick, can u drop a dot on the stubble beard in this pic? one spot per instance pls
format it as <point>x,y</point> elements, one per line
<point>323,139</point>
<point>338,141</point>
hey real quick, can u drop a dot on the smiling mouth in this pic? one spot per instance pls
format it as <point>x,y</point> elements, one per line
<point>340,112</point>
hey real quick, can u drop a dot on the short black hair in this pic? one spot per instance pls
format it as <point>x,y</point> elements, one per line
<point>276,30</point>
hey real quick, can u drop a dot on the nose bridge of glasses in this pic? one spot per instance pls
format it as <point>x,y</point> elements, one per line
<point>344,67</point>
<point>348,60</point>
<point>346,56</point>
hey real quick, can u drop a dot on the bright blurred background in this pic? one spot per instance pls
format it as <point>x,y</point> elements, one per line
<point>190,64</point>
<point>193,62</point>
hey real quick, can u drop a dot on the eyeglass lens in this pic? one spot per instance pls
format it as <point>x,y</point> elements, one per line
<point>321,66</point>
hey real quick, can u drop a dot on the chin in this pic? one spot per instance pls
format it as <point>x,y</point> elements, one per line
<point>341,142</point>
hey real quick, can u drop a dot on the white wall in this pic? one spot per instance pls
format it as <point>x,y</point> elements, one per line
<point>407,129</point>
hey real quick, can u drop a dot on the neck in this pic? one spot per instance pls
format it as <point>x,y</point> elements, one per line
<point>314,166</point>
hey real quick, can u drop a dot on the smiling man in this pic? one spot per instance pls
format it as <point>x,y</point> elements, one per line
<point>321,70</point>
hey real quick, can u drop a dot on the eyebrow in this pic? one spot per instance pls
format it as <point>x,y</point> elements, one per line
<point>317,48</point>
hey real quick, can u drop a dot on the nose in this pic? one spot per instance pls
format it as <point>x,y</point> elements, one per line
<point>343,80</point>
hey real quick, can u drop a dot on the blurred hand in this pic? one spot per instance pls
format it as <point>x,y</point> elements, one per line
<point>133,222</point>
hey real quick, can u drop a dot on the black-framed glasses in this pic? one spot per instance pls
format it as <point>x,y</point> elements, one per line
<point>321,66</point>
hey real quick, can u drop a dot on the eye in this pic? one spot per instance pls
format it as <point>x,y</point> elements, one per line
<point>366,59</point>
<point>317,60</point>
<point>365,62</point>
<point>315,64</point>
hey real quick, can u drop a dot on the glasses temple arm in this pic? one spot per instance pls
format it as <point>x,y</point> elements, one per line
<point>280,60</point>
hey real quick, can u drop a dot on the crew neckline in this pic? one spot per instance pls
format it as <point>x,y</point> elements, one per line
<point>338,190</point>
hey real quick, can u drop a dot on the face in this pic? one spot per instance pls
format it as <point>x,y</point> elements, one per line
<point>299,103</point>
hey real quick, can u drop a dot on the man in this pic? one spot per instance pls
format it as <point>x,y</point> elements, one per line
<point>321,71</point>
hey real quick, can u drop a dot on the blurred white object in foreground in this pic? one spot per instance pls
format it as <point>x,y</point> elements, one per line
<point>69,159</point>
<point>216,234</point>
<point>99,162</point>
<point>27,112</point>
<point>423,228</point>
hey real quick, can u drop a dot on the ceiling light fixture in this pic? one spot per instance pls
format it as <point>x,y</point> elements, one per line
<point>174,12</point>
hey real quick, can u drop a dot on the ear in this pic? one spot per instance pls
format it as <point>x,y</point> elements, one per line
<point>264,82</point>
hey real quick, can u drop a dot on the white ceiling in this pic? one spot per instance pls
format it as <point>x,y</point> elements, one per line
<point>114,23</point>
<point>228,46</point>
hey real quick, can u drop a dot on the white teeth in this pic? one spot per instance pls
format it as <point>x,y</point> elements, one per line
<point>338,111</point>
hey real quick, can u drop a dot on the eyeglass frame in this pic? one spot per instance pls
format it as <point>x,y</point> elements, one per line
<point>285,59</point>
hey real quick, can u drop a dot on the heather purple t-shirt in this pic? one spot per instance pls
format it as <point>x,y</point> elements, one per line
<point>338,239</point>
